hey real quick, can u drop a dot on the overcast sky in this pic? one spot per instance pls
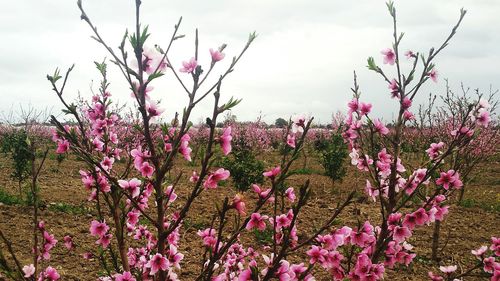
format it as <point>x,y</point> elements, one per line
<point>301,62</point>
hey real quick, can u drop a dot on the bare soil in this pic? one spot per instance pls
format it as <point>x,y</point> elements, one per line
<point>464,229</point>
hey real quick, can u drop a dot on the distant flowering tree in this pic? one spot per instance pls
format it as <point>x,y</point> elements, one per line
<point>30,140</point>
<point>431,127</point>
<point>433,122</point>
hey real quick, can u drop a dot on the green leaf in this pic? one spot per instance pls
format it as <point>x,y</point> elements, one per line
<point>371,64</point>
<point>155,75</point>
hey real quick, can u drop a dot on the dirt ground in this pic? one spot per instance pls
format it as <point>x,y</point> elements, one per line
<point>65,209</point>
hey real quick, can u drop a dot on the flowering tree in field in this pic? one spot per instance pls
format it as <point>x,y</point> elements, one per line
<point>433,122</point>
<point>126,194</point>
<point>28,142</point>
<point>128,247</point>
<point>431,127</point>
<point>416,196</point>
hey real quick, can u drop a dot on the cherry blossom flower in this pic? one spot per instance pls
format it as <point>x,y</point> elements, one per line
<point>225,140</point>
<point>189,66</point>
<point>147,170</point>
<point>98,228</point>
<point>290,140</point>
<point>214,178</point>
<point>68,242</point>
<point>257,221</point>
<point>157,263</point>
<point>62,146</point>
<point>298,123</point>
<point>448,269</point>
<point>389,56</point>
<point>216,55</point>
<point>28,270</point>
<point>239,204</point>
<point>132,186</point>
<point>125,276</point>
<point>409,54</point>
<point>433,75</point>
<point>272,173</point>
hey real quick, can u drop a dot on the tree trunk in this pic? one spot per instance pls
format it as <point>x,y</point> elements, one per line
<point>435,241</point>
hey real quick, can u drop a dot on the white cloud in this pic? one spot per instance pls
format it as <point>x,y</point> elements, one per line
<point>302,60</point>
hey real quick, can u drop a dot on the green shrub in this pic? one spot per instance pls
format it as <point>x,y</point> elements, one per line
<point>17,143</point>
<point>333,152</point>
<point>244,167</point>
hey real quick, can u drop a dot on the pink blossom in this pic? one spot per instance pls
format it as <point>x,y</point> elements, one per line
<point>495,246</point>
<point>448,269</point>
<point>489,264</point>
<point>400,234</point>
<point>483,118</point>
<point>433,75</point>
<point>365,108</point>
<point>370,191</point>
<point>225,140</point>
<point>157,263</point>
<point>50,273</point>
<point>194,177</point>
<point>147,170</point>
<point>189,66</point>
<point>170,194</point>
<point>272,173</point>
<point>353,105</point>
<point>408,115</point>
<point>257,221</point>
<point>484,104</point>
<point>125,276</point>
<point>406,103</point>
<point>316,254</point>
<point>239,204</point>
<point>62,146</point>
<point>152,59</point>
<point>389,56</point>
<point>354,157</point>
<point>479,252</point>
<point>133,217</point>
<point>98,228</point>
<point>214,178</point>
<point>393,86</point>
<point>409,54</point>
<point>262,193</point>
<point>98,144</point>
<point>421,216</point>
<point>174,257</point>
<point>68,242</point>
<point>435,277</point>
<point>380,127</point>
<point>284,220</point>
<point>290,140</point>
<point>290,194</point>
<point>153,109</point>
<point>28,270</point>
<point>107,163</point>
<point>298,123</point>
<point>104,240</point>
<point>216,55</point>
<point>184,148</point>
<point>132,186</point>
<point>447,179</point>
<point>434,150</point>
